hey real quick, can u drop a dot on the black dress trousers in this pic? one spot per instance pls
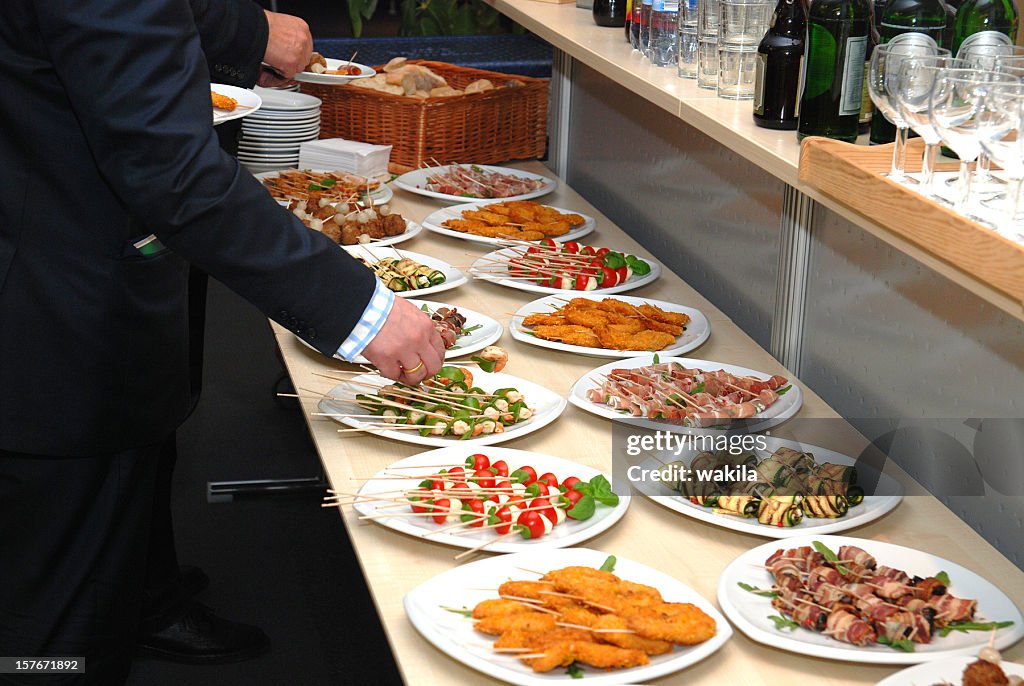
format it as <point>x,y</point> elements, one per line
<point>74,534</point>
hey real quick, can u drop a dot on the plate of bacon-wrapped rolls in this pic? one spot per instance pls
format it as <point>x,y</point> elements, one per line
<point>854,599</point>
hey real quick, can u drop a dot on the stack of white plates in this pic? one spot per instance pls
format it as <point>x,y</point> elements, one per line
<point>271,137</point>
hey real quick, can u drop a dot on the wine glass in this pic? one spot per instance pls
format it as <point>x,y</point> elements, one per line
<point>882,76</point>
<point>913,97</point>
<point>959,116</point>
<point>1003,139</point>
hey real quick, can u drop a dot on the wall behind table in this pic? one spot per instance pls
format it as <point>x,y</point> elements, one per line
<point>706,213</point>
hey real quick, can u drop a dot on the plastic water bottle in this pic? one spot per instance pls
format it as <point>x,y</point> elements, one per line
<point>664,32</point>
<point>645,27</point>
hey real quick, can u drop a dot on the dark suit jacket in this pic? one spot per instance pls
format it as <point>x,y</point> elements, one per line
<point>105,137</point>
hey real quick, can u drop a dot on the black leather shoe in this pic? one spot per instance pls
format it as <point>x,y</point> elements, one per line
<point>193,580</point>
<point>201,637</point>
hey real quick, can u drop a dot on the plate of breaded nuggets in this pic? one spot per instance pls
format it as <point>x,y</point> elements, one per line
<point>601,326</point>
<point>516,220</point>
<point>550,616</point>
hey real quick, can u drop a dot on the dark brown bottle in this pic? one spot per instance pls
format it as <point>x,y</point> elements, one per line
<point>777,75</point>
<point>610,13</point>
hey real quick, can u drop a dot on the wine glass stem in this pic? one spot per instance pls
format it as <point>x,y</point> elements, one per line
<point>1014,198</point>
<point>981,168</point>
<point>896,172</point>
<point>964,186</point>
<point>931,152</point>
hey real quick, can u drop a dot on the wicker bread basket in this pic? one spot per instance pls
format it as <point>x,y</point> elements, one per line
<point>507,123</point>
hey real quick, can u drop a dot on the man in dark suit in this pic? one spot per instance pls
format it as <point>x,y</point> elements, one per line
<point>113,182</point>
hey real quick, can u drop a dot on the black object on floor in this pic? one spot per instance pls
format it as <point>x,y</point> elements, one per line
<point>283,564</point>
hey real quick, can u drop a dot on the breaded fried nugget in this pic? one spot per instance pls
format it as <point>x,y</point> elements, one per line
<point>568,334</point>
<point>526,621</point>
<point>551,229</point>
<point>544,319</point>
<point>627,639</point>
<point>587,318</point>
<point>616,339</point>
<point>681,623</point>
<point>524,589</point>
<point>496,607</point>
<point>464,225</point>
<point>492,218</point>
<point>607,656</point>
<point>660,315</point>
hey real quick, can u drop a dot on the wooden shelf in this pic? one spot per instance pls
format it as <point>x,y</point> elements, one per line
<point>851,175</point>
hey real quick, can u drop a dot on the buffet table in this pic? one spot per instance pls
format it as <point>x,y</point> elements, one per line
<point>691,551</point>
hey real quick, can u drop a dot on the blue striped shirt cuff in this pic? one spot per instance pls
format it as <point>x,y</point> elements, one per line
<point>369,325</point>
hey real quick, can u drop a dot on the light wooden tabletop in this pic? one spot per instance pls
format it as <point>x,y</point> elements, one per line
<point>691,551</point>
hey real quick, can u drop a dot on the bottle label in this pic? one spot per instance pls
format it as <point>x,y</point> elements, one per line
<point>853,75</point>
<point>866,107</point>
<point>760,65</point>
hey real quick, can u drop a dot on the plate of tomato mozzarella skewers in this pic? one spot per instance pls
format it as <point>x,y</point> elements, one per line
<point>498,500</point>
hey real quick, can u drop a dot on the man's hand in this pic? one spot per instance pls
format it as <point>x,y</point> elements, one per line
<point>289,47</point>
<point>408,347</point>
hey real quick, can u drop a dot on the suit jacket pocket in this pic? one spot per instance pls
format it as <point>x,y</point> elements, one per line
<point>152,333</point>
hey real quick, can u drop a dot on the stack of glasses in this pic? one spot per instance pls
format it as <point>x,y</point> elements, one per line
<point>707,43</point>
<point>741,26</point>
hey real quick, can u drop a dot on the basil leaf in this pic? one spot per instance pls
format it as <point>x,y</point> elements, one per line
<point>486,365</point>
<point>783,623</point>
<point>609,564</point>
<point>964,627</point>
<point>327,183</point>
<point>783,391</point>
<point>829,555</point>
<point>574,670</point>
<point>463,611</point>
<point>943,577</point>
<point>699,388</point>
<point>584,509</point>
<point>756,591</point>
<point>657,359</point>
<point>519,476</point>
<point>904,644</point>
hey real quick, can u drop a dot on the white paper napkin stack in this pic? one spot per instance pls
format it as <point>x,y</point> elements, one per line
<point>329,154</point>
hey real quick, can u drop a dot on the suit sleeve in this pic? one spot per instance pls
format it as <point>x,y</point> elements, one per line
<point>234,35</point>
<point>136,79</point>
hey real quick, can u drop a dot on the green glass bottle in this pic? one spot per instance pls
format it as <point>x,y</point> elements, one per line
<point>975,16</point>
<point>903,16</point>
<point>833,73</point>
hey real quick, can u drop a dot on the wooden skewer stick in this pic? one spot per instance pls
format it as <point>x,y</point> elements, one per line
<point>595,631</point>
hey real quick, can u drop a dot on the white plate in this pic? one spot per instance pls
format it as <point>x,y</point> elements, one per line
<point>783,408</point>
<point>261,157</point>
<point>334,79</point>
<point>887,495</point>
<point>380,195</point>
<point>463,586</point>
<point>271,129</point>
<point>248,102</point>
<point>295,139</point>
<point>453,277</point>
<point>434,222</point>
<point>947,670</point>
<point>261,146</point>
<point>695,333</point>
<point>416,182</point>
<point>750,612</point>
<point>489,261</point>
<point>277,100</point>
<point>564,535</point>
<point>546,405</point>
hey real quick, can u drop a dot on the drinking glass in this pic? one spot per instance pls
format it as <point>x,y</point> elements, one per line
<point>882,77</point>
<point>913,97</point>
<point>1003,140</point>
<point>958,113</point>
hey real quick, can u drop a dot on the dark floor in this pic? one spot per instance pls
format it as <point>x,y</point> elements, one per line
<point>283,564</point>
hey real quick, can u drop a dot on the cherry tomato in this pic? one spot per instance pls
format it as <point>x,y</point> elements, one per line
<point>501,466</point>
<point>443,507</point>
<point>474,510</point>
<point>478,461</point>
<point>601,252</point>
<point>531,474</point>
<point>414,499</point>
<point>537,489</point>
<point>570,481</point>
<point>484,478</point>
<point>572,497</point>
<point>456,474</point>
<point>587,250</point>
<point>580,283</point>
<point>533,250</point>
<point>550,513</point>
<point>531,523</point>
<point>504,485</point>
<point>504,515</point>
<point>608,277</point>
<point>549,242</point>
<point>460,489</point>
<point>571,247</point>
<point>516,501</point>
<point>621,273</point>
<point>550,479</point>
